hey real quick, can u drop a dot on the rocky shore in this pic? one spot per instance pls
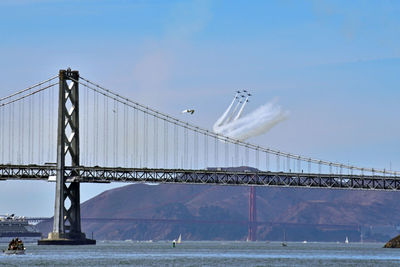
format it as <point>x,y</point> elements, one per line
<point>393,243</point>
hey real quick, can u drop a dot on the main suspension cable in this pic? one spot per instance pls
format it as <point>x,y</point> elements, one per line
<point>247,145</point>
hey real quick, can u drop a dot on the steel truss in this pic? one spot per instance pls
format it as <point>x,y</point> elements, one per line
<point>131,175</point>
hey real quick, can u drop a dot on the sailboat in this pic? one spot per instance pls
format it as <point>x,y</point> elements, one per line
<point>179,239</point>
<point>284,239</point>
<point>347,240</point>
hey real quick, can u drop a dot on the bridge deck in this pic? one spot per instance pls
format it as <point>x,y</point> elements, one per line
<point>220,177</point>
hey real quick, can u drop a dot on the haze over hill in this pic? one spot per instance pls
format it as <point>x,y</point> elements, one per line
<point>304,214</point>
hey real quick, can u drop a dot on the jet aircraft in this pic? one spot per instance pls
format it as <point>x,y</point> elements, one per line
<point>191,111</point>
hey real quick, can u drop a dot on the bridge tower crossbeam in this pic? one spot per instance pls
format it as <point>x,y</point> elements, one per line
<point>67,218</point>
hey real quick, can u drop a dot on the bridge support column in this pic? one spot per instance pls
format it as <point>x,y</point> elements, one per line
<point>67,218</point>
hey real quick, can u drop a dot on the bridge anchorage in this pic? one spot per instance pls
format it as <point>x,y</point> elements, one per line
<point>67,220</point>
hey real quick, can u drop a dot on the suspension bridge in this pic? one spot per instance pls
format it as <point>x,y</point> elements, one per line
<point>95,135</point>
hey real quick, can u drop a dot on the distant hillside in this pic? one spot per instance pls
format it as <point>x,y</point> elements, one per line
<point>309,214</point>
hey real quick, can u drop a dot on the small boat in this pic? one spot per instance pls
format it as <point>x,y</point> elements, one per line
<point>15,247</point>
<point>347,240</point>
<point>14,251</point>
<point>305,242</point>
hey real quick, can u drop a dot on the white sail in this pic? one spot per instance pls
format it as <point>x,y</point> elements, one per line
<point>179,239</point>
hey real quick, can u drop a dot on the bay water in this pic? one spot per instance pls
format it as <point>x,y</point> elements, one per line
<point>206,253</point>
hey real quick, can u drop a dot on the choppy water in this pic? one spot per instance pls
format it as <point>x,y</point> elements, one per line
<point>206,254</point>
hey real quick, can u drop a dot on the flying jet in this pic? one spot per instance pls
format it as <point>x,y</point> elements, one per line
<point>191,111</point>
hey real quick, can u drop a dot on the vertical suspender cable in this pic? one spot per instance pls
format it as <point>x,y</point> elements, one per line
<point>226,154</point>
<point>131,140</point>
<point>247,156</point>
<point>196,149</point>
<point>165,144</point>
<point>298,165</point>
<point>267,161</point>
<point>128,142</point>
<point>33,129</point>
<point>175,146</point>
<point>116,136</point>
<point>257,158</point>
<point>287,163</point>
<point>205,151</point>
<point>39,126</point>
<point>125,144</point>
<point>155,156</point>
<point>20,119</point>
<point>96,99</point>
<point>8,129</point>
<point>51,126</point>
<point>95,128</point>
<point>105,132</point>
<point>11,144</point>
<point>22,131</point>
<point>46,109</point>
<point>146,139</point>
<point>185,148</point>
<point>41,147</point>
<point>278,160</point>
<point>30,131</point>
<point>135,137</point>
<point>236,155</point>
<point>41,132</point>
<point>86,125</point>
<point>215,151</point>
<point>2,133</point>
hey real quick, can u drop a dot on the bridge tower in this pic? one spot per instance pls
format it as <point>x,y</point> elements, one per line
<point>67,217</point>
<point>252,230</point>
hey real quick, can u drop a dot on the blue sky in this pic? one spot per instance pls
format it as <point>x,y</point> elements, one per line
<point>333,64</point>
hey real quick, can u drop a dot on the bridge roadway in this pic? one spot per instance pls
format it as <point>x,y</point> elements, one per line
<point>210,176</point>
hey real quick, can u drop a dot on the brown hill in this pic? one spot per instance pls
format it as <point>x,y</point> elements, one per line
<point>207,212</point>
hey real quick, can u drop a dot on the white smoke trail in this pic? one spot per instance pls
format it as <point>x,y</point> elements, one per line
<point>221,120</point>
<point>241,109</point>
<point>256,123</point>
<point>233,112</point>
